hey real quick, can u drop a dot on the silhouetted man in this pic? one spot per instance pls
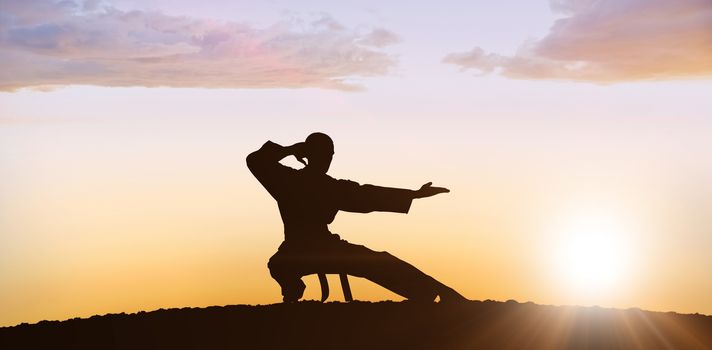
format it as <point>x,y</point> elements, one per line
<point>309,200</point>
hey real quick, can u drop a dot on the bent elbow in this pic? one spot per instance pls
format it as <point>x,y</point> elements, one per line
<point>252,160</point>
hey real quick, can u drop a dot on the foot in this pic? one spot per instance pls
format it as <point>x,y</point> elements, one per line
<point>449,295</point>
<point>293,292</point>
<point>423,299</point>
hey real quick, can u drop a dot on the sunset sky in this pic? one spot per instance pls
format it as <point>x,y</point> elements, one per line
<point>575,136</point>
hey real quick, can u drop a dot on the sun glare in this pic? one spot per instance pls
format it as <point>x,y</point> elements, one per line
<point>593,255</point>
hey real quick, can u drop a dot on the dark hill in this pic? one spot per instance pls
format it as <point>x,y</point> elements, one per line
<point>359,325</point>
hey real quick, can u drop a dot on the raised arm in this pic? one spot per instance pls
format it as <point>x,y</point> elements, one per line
<point>271,153</point>
<point>264,165</point>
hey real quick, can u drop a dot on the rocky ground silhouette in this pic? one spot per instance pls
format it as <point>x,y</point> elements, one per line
<point>364,325</point>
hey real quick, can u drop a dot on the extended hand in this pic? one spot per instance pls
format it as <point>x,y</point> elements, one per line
<point>428,191</point>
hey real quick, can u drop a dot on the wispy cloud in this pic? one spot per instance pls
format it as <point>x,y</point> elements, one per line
<point>610,41</point>
<point>44,44</point>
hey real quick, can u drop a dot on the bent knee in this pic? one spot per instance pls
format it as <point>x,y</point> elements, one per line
<point>275,263</point>
<point>281,265</point>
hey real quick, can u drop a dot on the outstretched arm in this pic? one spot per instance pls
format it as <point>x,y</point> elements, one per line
<point>367,198</point>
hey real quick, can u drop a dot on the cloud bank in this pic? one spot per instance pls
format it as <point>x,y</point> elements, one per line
<point>609,41</point>
<point>45,44</point>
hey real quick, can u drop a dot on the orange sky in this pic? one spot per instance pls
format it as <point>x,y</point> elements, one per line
<point>120,199</point>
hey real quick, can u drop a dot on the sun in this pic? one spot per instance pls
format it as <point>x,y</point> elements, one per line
<point>593,255</point>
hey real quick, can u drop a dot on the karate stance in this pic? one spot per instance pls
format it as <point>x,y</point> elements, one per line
<point>308,201</point>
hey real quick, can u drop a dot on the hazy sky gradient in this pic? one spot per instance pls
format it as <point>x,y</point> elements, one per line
<point>134,198</point>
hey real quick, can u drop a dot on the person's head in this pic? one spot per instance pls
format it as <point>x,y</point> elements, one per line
<point>320,151</point>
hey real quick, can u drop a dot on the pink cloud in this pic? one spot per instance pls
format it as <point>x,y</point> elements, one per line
<point>610,41</point>
<point>54,43</point>
<point>380,38</point>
